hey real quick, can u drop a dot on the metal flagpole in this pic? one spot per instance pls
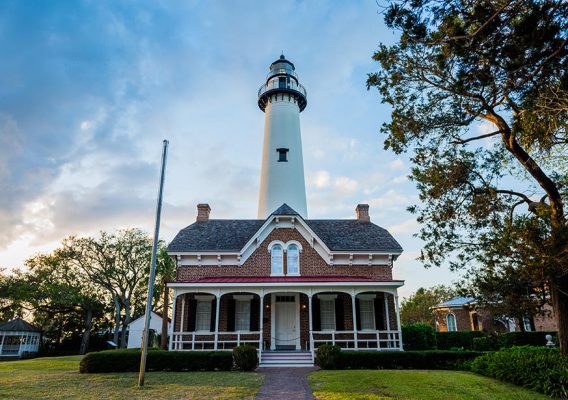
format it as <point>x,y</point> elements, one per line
<point>152,270</point>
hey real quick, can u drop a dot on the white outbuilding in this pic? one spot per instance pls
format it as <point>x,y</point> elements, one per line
<point>18,338</point>
<point>136,328</point>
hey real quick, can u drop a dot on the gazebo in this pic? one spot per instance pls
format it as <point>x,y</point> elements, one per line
<point>18,337</point>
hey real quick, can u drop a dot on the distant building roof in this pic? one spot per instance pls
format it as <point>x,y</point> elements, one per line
<point>457,302</point>
<point>19,325</point>
<point>232,234</point>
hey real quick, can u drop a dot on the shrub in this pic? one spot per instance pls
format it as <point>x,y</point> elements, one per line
<point>456,340</point>
<point>538,368</point>
<point>128,360</point>
<point>245,357</point>
<point>511,339</point>
<point>418,337</point>
<point>327,356</point>
<point>433,359</point>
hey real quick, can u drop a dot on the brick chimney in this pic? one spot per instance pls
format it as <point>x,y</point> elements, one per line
<point>362,211</point>
<point>203,211</point>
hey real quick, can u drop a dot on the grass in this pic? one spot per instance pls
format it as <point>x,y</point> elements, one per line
<point>413,384</point>
<point>58,378</point>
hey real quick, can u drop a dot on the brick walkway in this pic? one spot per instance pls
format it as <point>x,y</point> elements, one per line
<point>285,384</point>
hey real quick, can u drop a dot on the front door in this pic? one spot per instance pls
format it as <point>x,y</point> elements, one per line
<point>286,332</point>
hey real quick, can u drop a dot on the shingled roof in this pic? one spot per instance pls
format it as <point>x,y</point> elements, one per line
<point>231,235</point>
<point>18,325</point>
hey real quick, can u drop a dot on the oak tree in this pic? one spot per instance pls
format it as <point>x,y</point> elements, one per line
<point>479,92</point>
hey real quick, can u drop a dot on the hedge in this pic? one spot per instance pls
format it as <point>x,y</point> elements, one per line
<point>538,368</point>
<point>245,357</point>
<point>158,360</point>
<point>510,339</point>
<point>433,359</point>
<point>456,340</point>
<point>418,337</point>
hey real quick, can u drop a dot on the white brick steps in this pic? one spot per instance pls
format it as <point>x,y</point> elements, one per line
<point>286,359</point>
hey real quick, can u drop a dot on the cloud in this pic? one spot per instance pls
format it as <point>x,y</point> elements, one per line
<point>397,164</point>
<point>409,226</point>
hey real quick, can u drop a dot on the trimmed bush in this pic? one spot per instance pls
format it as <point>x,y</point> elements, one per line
<point>245,357</point>
<point>538,368</point>
<point>418,337</point>
<point>434,359</point>
<point>456,340</point>
<point>327,356</point>
<point>511,339</point>
<point>158,360</point>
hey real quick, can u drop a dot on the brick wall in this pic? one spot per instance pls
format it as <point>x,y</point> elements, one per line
<point>258,264</point>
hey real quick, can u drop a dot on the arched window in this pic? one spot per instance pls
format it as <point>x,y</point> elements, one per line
<point>451,320</point>
<point>293,260</point>
<point>276,260</point>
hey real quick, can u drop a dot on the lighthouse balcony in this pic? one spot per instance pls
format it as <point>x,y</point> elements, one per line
<point>281,86</point>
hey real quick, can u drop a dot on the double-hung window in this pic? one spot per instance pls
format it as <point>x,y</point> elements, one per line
<point>367,313</point>
<point>276,260</point>
<point>293,260</point>
<point>203,315</point>
<point>327,309</point>
<point>242,315</point>
<point>451,320</point>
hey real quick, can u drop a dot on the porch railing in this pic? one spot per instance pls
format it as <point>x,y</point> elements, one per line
<point>358,340</point>
<point>213,340</point>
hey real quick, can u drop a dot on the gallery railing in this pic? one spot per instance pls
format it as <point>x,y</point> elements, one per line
<point>213,340</point>
<point>358,340</point>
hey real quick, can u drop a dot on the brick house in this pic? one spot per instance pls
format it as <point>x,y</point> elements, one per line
<point>464,314</point>
<point>283,282</point>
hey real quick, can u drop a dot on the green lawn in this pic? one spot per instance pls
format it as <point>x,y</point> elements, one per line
<point>410,385</point>
<point>58,378</point>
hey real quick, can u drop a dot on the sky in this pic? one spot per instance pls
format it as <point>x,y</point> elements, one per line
<point>89,90</point>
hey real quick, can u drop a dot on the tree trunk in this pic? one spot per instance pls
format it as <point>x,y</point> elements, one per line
<point>559,291</point>
<point>125,322</point>
<point>116,319</point>
<point>165,312</point>
<point>87,332</point>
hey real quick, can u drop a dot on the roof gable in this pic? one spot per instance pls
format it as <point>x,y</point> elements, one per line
<point>19,325</point>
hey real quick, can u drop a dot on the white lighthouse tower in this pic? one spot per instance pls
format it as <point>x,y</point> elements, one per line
<point>282,99</point>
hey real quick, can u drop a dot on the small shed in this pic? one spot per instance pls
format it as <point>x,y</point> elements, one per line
<point>136,328</point>
<point>18,337</point>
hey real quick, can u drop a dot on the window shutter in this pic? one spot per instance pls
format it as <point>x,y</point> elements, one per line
<point>358,313</point>
<point>316,314</point>
<point>254,314</point>
<point>191,314</point>
<point>339,314</point>
<point>379,313</point>
<point>213,311</point>
<point>231,310</point>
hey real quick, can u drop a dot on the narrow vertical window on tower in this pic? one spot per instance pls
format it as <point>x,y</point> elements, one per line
<point>293,260</point>
<point>282,155</point>
<point>276,260</point>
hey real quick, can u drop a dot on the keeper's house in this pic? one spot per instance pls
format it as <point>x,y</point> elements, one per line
<point>283,282</point>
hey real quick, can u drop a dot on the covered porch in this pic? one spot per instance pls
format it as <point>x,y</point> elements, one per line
<point>285,316</point>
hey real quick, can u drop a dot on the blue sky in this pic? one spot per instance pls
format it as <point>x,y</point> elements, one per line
<point>89,90</point>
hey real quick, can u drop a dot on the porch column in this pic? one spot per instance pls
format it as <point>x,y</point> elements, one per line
<point>310,324</point>
<point>387,319</point>
<point>398,321</point>
<point>173,323</point>
<point>1,342</point>
<point>260,325</point>
<point>181,322</point>
<point>354,308</point>
<point>218,306</point>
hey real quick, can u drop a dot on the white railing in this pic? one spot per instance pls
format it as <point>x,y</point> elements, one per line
<point>358,340</point>
<point>213,340</point>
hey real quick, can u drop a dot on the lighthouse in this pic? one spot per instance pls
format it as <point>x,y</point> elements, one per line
<point>282,98</point>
